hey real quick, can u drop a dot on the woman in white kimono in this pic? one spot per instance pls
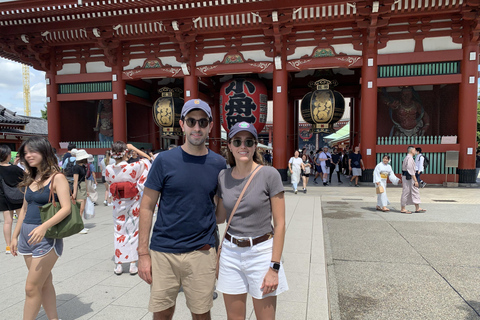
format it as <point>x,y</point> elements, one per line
<point>382,171</point>
<point>126,184</point>
<point>295,165</point>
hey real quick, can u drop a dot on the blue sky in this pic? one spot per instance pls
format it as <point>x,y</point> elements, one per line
<point>11,88</point>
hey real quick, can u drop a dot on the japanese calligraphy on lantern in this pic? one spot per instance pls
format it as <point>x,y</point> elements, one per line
<point>243,100</point>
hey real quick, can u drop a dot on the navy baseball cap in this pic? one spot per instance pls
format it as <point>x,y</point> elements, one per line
<point>242,126</point>
<point>196,104</point>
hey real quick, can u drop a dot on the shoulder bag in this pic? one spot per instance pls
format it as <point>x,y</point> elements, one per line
<point>13,194</point>
<point>72,223</point>
<point>231,216</point>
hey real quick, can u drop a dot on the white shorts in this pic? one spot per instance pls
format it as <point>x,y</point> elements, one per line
<point>242,270</point>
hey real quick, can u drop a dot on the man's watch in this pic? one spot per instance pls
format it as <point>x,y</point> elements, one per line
<point>275,266</point>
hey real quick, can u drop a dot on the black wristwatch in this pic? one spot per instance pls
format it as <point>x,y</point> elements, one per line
<point>275,266</point>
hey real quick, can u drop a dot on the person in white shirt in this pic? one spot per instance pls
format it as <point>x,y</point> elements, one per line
<point>325,160</point>
<point>419,167</point>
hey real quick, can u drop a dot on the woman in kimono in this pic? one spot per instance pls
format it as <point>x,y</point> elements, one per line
<point>126,184</point>
<point>383,170</point>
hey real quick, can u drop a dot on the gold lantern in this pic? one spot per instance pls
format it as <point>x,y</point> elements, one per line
<point>322,107</point>
<point>167,110</point>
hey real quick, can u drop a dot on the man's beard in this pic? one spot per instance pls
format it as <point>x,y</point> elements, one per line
<point>196,142</point>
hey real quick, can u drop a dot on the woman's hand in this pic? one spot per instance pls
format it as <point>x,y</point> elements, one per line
<point>37,234</point>
<point>13,247</point>
<point>270,282</point>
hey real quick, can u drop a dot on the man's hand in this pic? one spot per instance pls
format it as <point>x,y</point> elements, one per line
<point>145,268</point>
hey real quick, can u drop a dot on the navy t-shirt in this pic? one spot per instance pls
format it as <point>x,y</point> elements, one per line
<point>186,213</point>
<point>355,157</point>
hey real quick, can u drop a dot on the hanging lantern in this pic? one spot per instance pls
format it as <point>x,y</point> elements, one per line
<point>323,107</point>
<point>243,100</point>
<point>167,110</point>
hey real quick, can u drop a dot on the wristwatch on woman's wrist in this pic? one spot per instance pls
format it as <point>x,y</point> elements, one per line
<point>275,266</point>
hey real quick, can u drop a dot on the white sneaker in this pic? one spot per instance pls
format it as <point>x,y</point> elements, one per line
<point>118,269</point>
<point>84,231</point>
<point>133,269</point>
<point>105,203</point>
<point>110,204</point>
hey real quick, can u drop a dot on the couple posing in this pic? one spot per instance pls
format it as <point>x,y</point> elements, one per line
<point>182,246</point>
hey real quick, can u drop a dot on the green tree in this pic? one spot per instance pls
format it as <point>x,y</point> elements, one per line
<point>44,115</point>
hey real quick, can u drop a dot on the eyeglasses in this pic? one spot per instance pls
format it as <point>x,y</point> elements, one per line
<point>203,123</point>
<point>247,142</point>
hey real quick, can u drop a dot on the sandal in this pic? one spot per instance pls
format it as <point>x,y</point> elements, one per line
<point>378,208</point>
<point>385,210</point>
<point>407,212</point>
<point>420,210</point>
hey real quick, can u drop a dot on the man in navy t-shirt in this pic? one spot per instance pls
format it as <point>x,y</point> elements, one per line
<point>182,248</point>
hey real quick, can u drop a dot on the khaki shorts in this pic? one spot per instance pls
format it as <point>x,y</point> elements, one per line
<point>195,271</point>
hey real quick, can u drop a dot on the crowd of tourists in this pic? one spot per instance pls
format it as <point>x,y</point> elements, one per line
<point>184,249</point>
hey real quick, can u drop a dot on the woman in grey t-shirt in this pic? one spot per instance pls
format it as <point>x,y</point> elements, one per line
<point>252,248</point>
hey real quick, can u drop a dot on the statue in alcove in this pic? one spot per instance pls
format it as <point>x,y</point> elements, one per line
<point>104,121</point>
<point>407,114</point>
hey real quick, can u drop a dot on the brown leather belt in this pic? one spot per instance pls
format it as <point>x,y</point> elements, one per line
<point>246,242</point>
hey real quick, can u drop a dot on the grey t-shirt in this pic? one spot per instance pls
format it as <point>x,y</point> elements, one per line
<point>254,214</point>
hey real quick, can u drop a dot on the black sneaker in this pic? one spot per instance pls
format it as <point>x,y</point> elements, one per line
<point>315,182</point>
<point>340,182</point>
<point>424,184</point>
<point>304,190</point>
<point>325,184</point>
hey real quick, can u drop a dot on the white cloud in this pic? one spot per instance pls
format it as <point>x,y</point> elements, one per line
<point>11,88</point>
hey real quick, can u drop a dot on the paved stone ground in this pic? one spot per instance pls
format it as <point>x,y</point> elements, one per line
<point>397,266</point>
<point>87,288</point>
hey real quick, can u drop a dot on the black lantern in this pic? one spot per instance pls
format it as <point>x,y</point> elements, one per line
<point>323,107</point>
<point>167,110</point>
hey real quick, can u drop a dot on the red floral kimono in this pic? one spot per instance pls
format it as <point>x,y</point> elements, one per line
<point>126,181</point>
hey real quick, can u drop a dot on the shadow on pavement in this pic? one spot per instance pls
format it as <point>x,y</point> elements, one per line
<point>76,308</point>
<point>355,307</point>
<point>472,314</point>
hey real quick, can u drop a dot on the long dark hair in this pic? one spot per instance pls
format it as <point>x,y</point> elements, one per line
<point>5,151</point>
<point>48,166</point>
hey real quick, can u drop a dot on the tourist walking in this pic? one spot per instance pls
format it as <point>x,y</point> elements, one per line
<point>10,175</point>
<point>91,180</point>
<point>419,166</point>
<point>126,182</point>
<point>182,247</point>
<point>103,165</point>
<point>79,187</point>
<point>295,166</point>
<point>345,160</point>
<point>337,165</point>
<point>355,164</point>
<point>410,192</point>
<point>382,172</point>
<point>325,159</point>
<point>40,253</point>
<point>307,169</point>
<point>252,248</point>
<point>318,167</point>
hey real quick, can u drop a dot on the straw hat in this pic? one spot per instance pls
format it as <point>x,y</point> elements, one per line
<point>81,154</point>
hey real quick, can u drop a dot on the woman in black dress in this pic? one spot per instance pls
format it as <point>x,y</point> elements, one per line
<point>12,176</point>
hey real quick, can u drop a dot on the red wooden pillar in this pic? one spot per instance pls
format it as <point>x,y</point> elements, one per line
<point>291,128</point>
<point>280,111</point>
<point>215,143</point>
<point>467,109</point>
<point>190,81</point>
<point>119,103</point>
<point>368,110</point>
<point>53,106</point>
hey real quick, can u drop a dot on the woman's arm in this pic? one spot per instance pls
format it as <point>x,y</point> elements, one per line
<point>141,153</point>
<point>270,281</point>
<point>75,185</point>
<point>220,212</point>
<point>18,227</point>
<point>61,188</point>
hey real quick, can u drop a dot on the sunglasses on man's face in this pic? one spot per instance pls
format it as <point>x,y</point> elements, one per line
<point>203,123</point>
<point>247,142</point>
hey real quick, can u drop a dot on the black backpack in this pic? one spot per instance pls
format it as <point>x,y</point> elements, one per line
<point>426,162</point>
<point>69,168</point>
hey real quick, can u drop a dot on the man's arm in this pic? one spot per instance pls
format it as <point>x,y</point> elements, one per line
<point>147,206</point>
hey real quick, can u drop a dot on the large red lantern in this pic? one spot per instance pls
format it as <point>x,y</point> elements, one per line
<point>322,107</point>
<point>243,100</point>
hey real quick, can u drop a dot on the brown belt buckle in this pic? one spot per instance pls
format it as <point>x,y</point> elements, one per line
<point>243,242</point>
